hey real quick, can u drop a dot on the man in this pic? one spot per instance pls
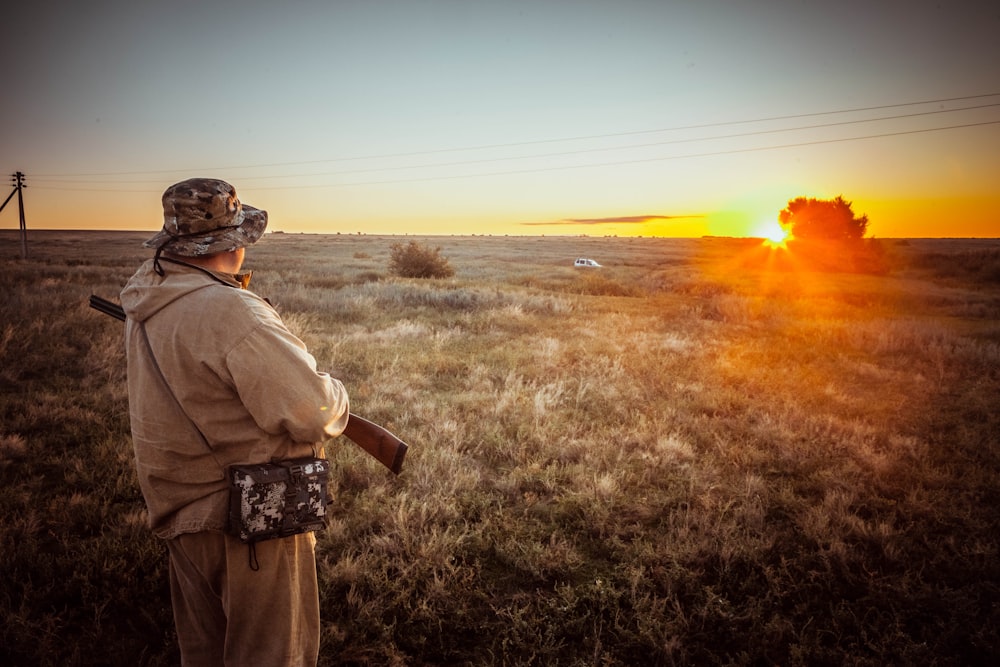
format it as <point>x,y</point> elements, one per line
<point>214,379</point>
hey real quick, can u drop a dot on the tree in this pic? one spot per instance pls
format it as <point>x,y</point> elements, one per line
<point>415,260</point>
<point>826,219</point>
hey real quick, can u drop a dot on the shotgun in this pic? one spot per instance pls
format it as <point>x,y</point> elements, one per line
<point>377,441</point>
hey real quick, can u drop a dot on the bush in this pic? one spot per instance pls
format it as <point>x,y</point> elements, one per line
<point>824,219</point>
<point>415,260</point>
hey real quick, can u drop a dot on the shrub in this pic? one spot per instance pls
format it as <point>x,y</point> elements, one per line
<point>831,219</point>
<point>415,260</point>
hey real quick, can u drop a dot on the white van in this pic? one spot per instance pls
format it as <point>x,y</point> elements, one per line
<point>583,261</point>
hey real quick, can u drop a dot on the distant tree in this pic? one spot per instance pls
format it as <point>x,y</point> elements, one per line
<point>415,260</point>
<point>826,219</point>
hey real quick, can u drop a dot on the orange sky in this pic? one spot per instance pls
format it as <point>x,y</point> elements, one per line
<point>969,216</point>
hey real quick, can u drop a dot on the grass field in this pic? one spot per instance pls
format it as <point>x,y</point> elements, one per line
<point>702,453</point>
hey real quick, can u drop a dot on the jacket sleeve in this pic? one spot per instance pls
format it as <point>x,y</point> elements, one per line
<point>281,388</point>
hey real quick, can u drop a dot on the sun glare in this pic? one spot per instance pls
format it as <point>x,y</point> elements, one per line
<point>774,234</point>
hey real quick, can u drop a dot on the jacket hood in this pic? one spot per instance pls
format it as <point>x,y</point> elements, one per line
<point>148,292</point>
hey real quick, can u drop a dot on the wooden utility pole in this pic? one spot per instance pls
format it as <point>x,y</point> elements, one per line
<point>18,179</point>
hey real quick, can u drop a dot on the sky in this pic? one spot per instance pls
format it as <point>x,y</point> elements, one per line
<point>543,117</point>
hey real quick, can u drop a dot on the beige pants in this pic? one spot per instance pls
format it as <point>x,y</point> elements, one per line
<point>229,614</point>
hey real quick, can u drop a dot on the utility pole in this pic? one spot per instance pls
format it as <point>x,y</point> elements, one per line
<point>18,179</point>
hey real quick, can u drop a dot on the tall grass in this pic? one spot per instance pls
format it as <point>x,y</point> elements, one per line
<point>692,456</point>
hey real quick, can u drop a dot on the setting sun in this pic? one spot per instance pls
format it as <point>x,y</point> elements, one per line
<point>774,234</point>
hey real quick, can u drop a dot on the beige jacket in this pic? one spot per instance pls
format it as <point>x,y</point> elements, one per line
<point>241,378</point>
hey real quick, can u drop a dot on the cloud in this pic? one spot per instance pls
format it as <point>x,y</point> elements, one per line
<point>624,219</point>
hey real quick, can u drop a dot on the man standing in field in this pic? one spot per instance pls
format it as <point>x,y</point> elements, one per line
<point>215,379</point>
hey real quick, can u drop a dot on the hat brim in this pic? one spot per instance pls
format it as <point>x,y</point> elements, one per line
<point>247,232</point>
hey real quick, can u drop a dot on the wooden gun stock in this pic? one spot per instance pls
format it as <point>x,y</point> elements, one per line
<point>386,448</point>
<point>377,441</point>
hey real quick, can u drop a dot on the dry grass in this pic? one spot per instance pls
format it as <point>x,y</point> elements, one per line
<point>698,454</point>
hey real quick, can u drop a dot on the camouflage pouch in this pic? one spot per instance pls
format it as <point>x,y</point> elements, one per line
<point>269,500</point>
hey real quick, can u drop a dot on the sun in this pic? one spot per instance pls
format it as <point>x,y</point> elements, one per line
<point>775,236</point>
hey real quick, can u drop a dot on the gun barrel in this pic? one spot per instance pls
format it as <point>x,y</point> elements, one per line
<point>107,307</point>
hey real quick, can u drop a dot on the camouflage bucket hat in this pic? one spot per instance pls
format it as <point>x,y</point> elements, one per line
<point>202,216</point>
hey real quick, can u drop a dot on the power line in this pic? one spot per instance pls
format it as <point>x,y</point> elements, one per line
<point>589,166</point>
<point>568,139</point>
<point>641,160</point>
<point>738,135</point>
